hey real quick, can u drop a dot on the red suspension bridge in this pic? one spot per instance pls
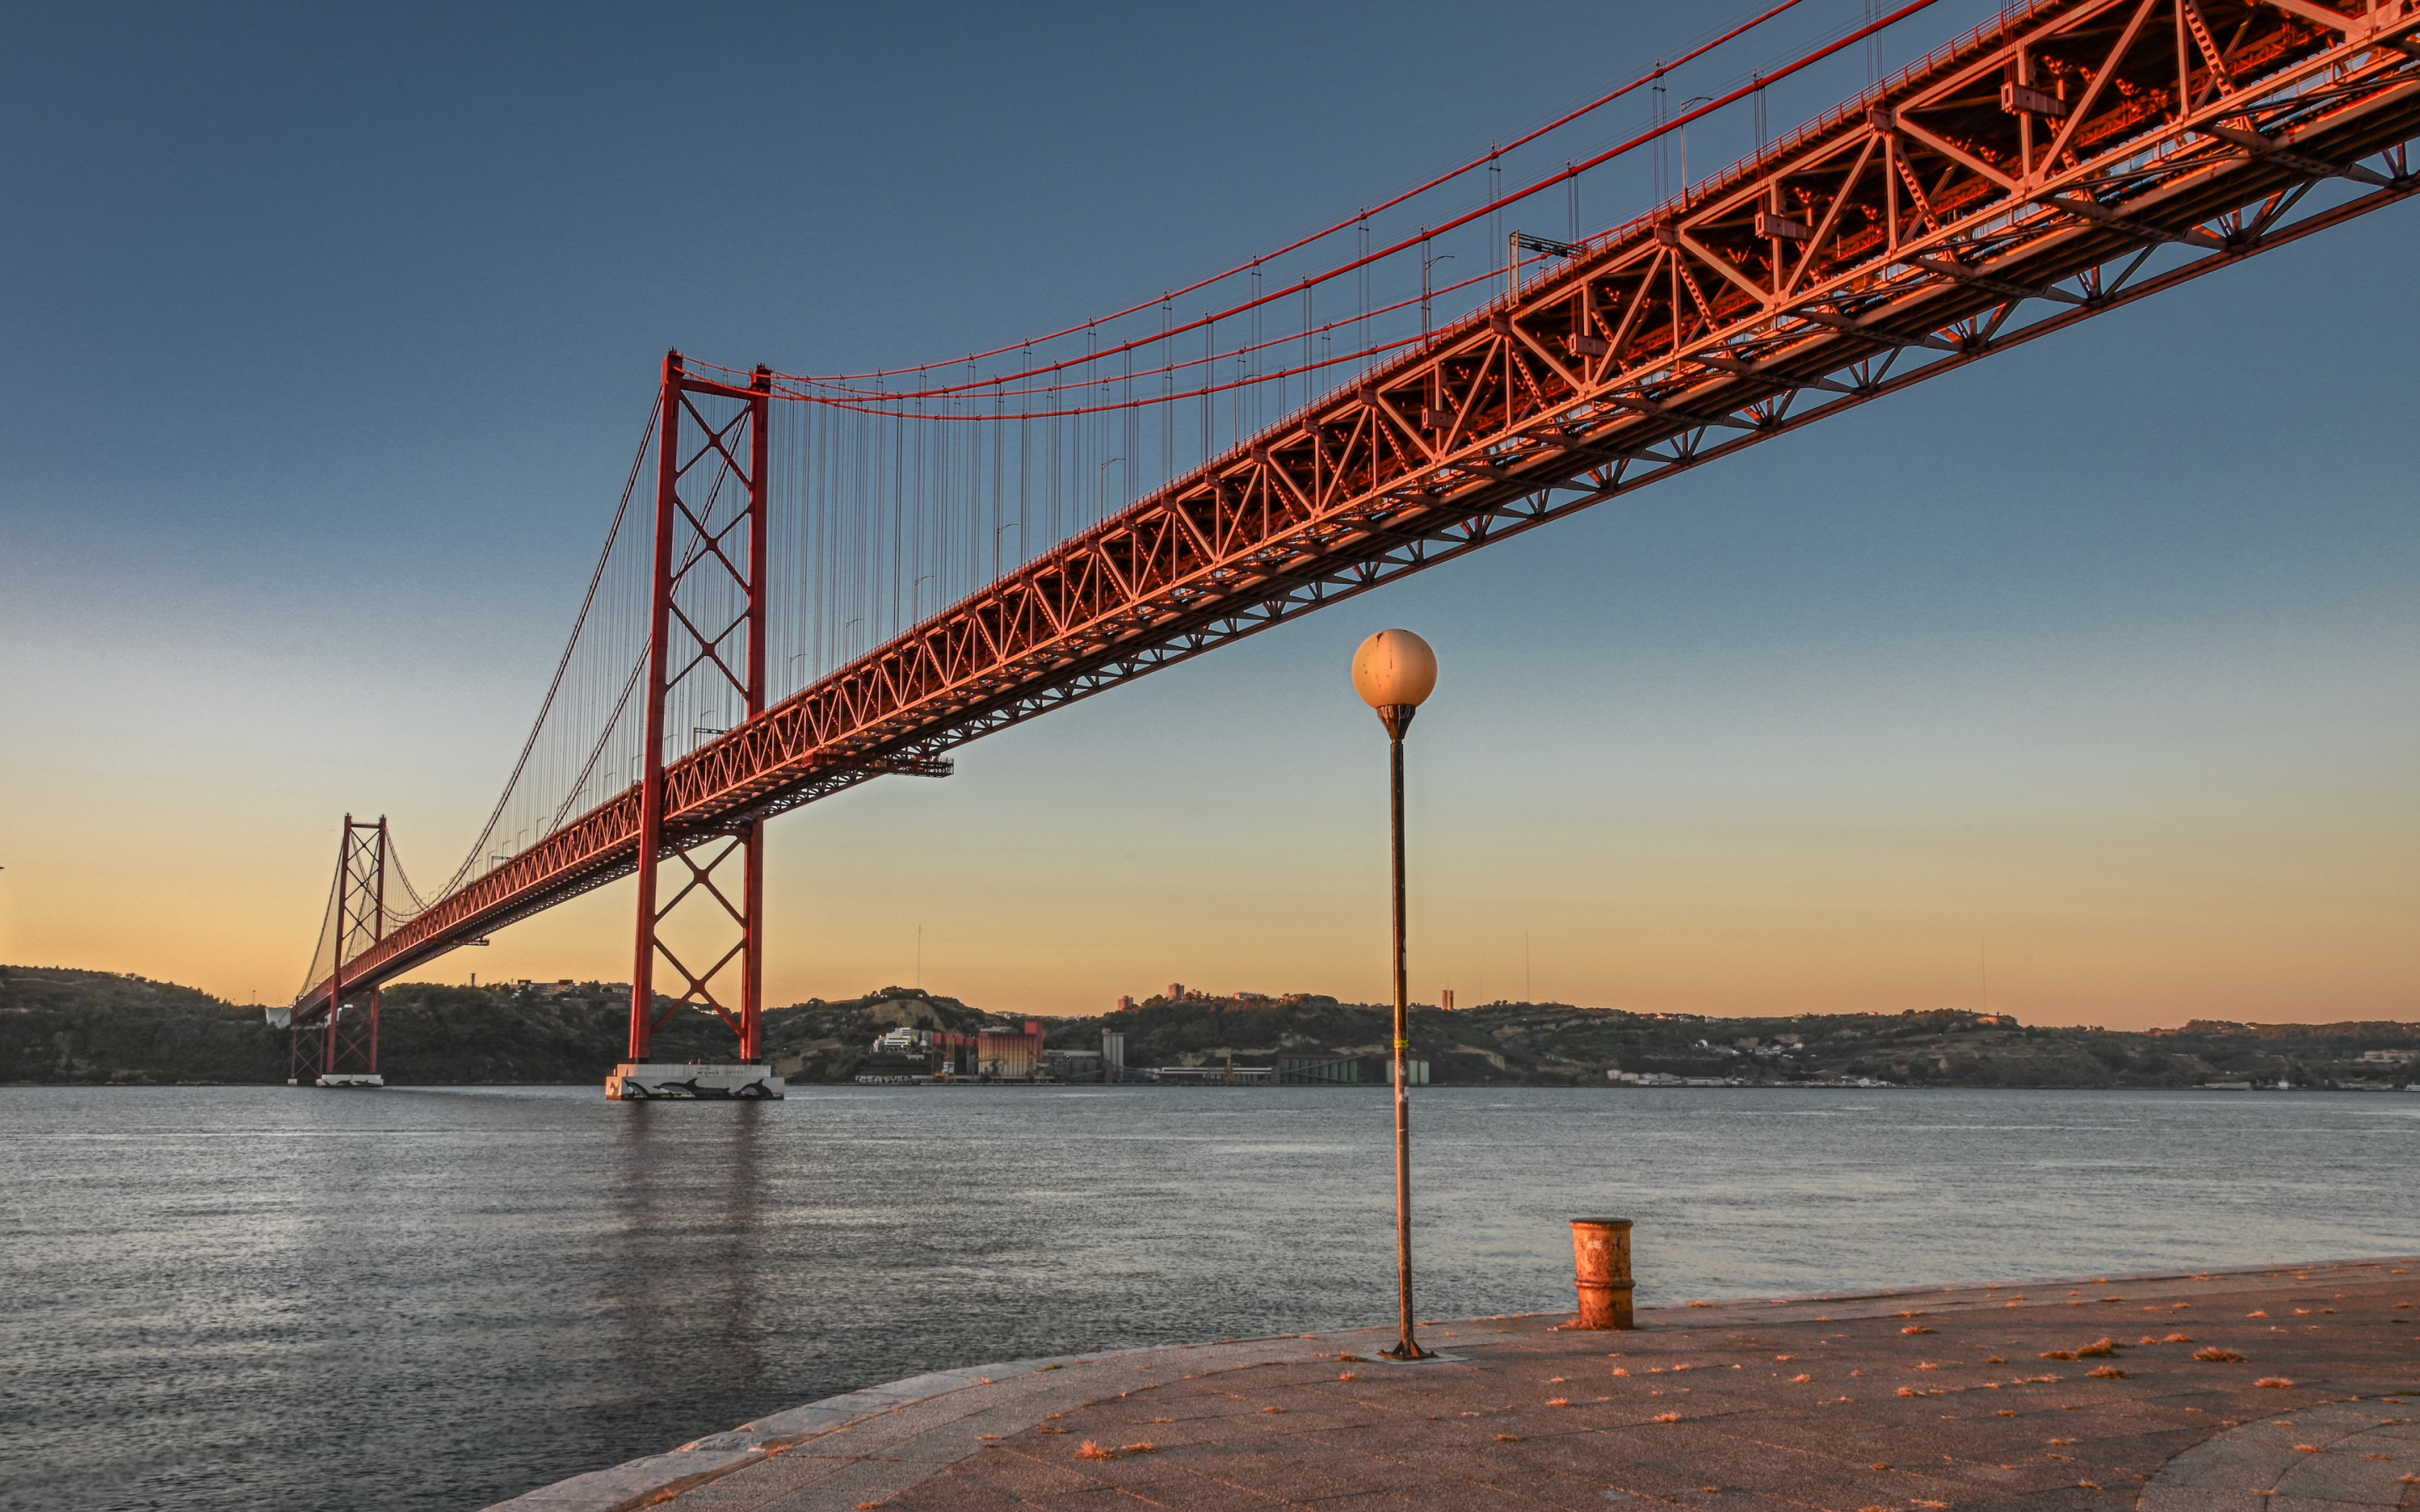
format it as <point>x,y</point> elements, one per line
<point>829,578</point>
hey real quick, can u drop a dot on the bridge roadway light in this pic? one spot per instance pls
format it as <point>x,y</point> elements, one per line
<point>1394,672</point>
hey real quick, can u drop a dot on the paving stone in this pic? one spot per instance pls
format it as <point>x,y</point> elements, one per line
<point>2186,1436</point>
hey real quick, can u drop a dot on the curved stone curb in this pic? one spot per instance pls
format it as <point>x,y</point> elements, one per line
<point>2343,1455</point>
<point>885,1438</point>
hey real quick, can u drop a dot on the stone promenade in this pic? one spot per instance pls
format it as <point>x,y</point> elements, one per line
<point>2281,1391</point>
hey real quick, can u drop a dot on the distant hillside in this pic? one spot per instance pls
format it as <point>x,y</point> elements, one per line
<point>62,1026</point>
<point>59,1025</point>
<point>1555,1044</point>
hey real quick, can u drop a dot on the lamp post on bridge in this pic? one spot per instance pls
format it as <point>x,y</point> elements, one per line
<point>1394,672</point>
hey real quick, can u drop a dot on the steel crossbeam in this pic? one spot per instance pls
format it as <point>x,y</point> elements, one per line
<point>2005,188</point>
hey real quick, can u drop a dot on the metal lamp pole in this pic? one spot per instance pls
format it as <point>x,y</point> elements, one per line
<point>1394,671</point>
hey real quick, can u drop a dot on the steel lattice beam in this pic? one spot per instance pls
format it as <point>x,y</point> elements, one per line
<point>2005,188</point>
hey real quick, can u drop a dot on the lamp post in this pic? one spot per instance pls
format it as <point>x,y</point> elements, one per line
<point>1393,672</point>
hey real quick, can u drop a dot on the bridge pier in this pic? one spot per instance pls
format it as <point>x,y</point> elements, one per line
<point>677,1081</point>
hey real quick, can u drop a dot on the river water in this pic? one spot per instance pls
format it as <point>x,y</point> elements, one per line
<point>265,1298</point>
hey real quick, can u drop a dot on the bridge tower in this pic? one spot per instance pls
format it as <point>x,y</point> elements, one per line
<point>705,651</point>
<point>340,1047</point>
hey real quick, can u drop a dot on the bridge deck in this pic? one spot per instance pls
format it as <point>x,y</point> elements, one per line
<point>1949,215</point>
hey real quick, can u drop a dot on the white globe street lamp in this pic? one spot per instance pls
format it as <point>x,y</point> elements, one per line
<point>1394,671</point>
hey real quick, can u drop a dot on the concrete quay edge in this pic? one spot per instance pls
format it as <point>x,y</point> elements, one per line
<point>645,1482</point>
<point>1016,1394</point>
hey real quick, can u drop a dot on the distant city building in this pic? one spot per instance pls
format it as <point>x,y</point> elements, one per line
<point>1319,1070</point>
<point>1071,1065</point>
<point>911,1055</point>
<point>1125,1005</point>
<point>1005,1054</point>
<point>1348,1071</point>
<point>1224,1075</point>
<point>1113,1055</point>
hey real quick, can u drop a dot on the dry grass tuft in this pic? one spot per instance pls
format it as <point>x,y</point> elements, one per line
<point>1088,1450</point>
<point>2005,1411</point>
<point>1915,1328</point>
<point>1558,1401</point>
<point>2307,1448</point>
<point>2058,1355</point>
<point>2106,1372</point>
<point>1908,1391</point>
<point>1272,1408</point>
<point>1801,1379</point>
<point>1508,1438</point>
<point>1049,1430</point>
<point>2180,1338</point>
<point>1994,1359</point>
<point>1701,1305</point>
<point>1143,1447</point>
<point>1667,1417</point>
<point>2278,1381</point>
<point>2215,1355</point>
<point>1348,1375</point>
<point>2099,1348</point>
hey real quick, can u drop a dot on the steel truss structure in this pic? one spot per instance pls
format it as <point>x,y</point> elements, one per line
<point>708,591</point>
<point>2003,189</point>
<point>345,1041</point>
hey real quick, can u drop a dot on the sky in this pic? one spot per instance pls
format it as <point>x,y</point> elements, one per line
<point>2078,685</point>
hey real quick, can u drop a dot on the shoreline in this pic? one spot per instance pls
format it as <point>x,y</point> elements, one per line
<point>935,1433</point>
<point>1702,1085</point>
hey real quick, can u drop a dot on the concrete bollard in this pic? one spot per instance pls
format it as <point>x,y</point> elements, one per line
<point>1600,1252</point>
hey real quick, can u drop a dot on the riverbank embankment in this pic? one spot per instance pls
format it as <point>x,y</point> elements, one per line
<point>2275,1388</point>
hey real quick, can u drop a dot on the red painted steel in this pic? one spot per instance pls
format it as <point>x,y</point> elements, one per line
<point>691,551</point>
<point>347,1041</point>
<point>1928,224</point>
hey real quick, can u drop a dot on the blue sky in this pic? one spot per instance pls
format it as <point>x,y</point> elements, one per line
<point>332,327</point>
